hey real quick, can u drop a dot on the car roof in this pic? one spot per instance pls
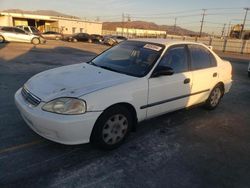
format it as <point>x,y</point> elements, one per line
<point>164,41</point>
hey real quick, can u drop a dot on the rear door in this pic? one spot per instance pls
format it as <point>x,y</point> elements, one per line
<point>21,35</point>
<point>205,74</point>
<point>169,93</point>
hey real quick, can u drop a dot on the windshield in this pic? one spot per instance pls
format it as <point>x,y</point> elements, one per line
<point>133,58</point>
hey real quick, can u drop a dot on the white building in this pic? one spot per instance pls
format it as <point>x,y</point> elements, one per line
<point>63,24</point>
<point>140,32</point>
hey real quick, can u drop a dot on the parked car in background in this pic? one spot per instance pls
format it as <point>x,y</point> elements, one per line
<point>249,70</point>
<point>96,38</point>
<point>52,35</point>
<point>30,29</point>
<point>102,100</point>
<point>113,40</point>
<point>83,37</point>
<point>15,34</point>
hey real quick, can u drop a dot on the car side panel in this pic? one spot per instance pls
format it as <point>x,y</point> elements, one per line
<point>134,93</point>
<point>204,80</point>
<point>168,93</point>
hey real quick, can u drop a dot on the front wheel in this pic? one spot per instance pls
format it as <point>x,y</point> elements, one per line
<point>2,39</point>
<point>35,41</point>
<point>112,128</point>
<point>214,98</point>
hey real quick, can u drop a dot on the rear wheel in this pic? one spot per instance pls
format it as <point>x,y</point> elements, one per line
<point>214,98</point>
<point>112,128</point>
<point>35,41</point>
<point>2,39</point>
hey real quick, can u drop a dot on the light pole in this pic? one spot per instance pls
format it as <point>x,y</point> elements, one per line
<point>244,22</point>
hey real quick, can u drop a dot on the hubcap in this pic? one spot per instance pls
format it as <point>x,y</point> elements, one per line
<point>115,129</point>
<point>36,41</point>
<point>215,97</point>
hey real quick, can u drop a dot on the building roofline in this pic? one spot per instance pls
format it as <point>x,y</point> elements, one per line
<point>46,17</point>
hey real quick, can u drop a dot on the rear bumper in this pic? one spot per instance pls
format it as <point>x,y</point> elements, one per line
<point>228,86</point>
<point>64,129</point>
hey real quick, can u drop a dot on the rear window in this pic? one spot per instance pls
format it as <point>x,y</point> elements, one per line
<point>9,29</point>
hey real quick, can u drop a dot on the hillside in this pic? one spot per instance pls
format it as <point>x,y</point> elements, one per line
<point>148,25</point>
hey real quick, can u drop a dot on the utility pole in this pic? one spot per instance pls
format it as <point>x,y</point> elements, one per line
<point>202,21</point>
<point>223,30</point>
<point>175,20</point>
<point>244,22</point>
<point>228,30</point>
<point>128,18</point>
<point>123,17</point>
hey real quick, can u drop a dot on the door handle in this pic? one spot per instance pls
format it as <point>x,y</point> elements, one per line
<point>187,80</point>
<point>215,74</point>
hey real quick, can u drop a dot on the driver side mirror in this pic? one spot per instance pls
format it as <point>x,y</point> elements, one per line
<point>162,71</point>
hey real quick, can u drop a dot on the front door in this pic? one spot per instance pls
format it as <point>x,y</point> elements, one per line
<point>169,93</point>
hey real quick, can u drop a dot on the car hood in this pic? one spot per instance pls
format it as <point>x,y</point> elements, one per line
<point>73,81</point>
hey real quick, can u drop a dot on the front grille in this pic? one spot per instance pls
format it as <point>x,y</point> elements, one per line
<point>30,98</point>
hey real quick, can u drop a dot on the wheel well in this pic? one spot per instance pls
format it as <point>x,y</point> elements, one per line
<point>2,36</point>
<point>131,109</point>
<point>222,86</point>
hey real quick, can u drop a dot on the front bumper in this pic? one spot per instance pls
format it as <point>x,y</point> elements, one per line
<point>64,129</point>
<point>42,40</point>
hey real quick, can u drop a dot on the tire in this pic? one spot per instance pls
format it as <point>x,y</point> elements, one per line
<point>35,41</point>
<point>2,40</point>
<point>214,98</point>
<point>74,40</point>
<point>111,128</point>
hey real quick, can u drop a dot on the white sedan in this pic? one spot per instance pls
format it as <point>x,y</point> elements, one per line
<point>102,100</point>
<point>15,34</point>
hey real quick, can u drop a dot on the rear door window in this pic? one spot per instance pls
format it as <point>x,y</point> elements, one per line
<point>201,58</point>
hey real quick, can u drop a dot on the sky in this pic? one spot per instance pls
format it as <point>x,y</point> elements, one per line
<point>164,12</point>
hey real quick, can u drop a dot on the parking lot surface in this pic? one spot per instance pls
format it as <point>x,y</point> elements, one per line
<point>187,148</point>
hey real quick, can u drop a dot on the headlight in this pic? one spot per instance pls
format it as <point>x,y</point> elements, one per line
<point>68,106</point>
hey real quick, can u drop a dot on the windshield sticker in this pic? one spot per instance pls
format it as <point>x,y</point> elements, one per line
<point>153,47</point>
